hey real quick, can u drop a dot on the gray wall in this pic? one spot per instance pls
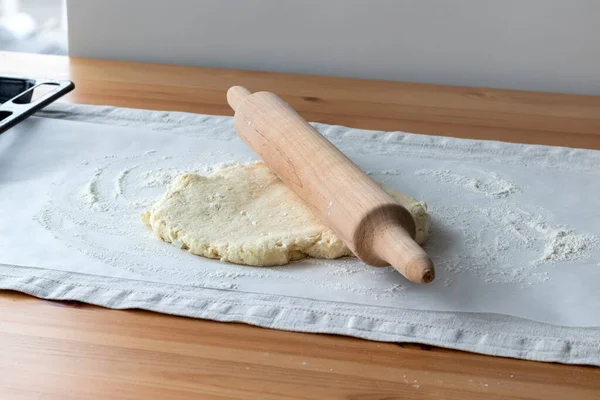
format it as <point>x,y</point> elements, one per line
<point>545,45</point>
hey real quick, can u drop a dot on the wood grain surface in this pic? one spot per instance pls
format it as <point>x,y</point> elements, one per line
<point>61,350</point>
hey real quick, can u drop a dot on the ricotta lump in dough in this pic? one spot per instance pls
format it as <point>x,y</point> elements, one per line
<point>244,214</point>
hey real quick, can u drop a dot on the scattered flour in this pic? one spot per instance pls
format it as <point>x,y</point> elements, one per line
<point>503,242</point>
<point>351,288</point>
<point>394,288</point>
<point>90,192</point>
<point>491,184</point>
<point>561,243</point>
<point>121,187</point>
<point>337,270</point>
<point>496,238</point>
<point>143,203</point>
<point>565,245</point>
<point>119,182</point>
<point>160,178</point>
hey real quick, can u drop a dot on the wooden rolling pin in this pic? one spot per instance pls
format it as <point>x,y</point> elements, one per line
<point>375,228</point>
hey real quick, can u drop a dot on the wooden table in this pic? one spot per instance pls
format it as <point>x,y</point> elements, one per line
<point>58,350</point>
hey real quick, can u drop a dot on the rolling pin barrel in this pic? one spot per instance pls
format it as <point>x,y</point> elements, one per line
<point>374,227</point>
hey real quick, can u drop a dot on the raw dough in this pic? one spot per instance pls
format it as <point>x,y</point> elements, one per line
<point>245,214</point>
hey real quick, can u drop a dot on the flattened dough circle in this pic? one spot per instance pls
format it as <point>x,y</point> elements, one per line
<point>245,214</point>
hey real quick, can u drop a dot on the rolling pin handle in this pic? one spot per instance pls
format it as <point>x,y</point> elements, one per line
<point>396,247</point>
<point>422,270</point>
<point>235,96</point>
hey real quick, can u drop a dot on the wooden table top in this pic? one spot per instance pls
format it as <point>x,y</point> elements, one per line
<point>60,350</point>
